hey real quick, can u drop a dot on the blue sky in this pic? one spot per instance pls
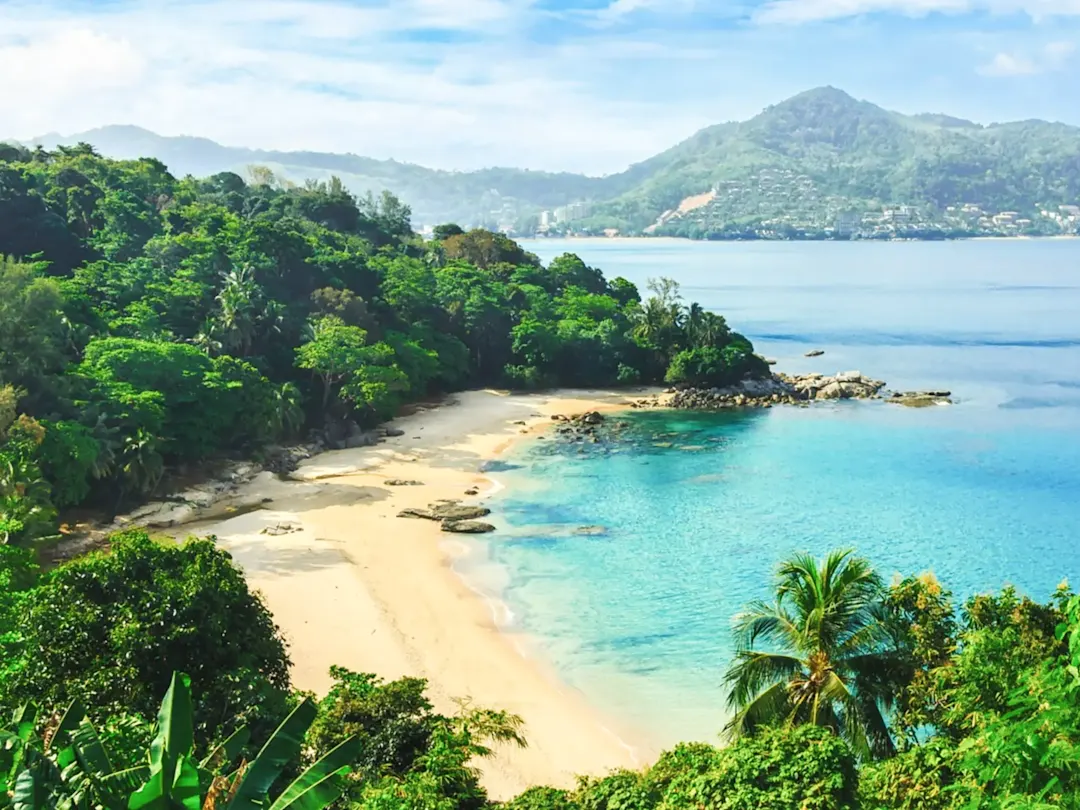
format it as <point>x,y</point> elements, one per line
<point>576,85</point>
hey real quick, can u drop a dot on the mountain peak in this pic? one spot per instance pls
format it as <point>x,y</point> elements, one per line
<point>823,100</point>
<point>824,93</point>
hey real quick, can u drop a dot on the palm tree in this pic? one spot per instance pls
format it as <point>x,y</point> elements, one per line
<point>826,659</point>
<point>239,299</point>
<point>288,415</point>
<point>141,463</point>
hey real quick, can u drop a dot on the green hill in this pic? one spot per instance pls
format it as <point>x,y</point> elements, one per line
<point>824,148</point>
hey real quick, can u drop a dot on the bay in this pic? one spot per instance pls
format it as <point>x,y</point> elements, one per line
<point>696,512</point>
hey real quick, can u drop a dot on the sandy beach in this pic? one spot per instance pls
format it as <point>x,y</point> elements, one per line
<point>350,583</point>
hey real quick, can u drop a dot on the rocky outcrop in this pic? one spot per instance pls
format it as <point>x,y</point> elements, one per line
<point>446,510</point>
<point>845,385</point>
<point>585,427</point>
<point>219,497</point>
<point>776,389</point>
<point>814,353</point>
<point>415,512</point>
<point>467,527</point>
<point>452,511</point>
<point>920,399</point>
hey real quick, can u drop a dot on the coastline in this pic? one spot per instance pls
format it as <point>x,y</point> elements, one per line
<point>663,237</point>
<point>349,583</point>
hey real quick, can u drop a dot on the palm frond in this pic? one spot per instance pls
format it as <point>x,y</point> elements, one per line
<point>849,714</point>
<point>768,708</point>
<point>754,672</point>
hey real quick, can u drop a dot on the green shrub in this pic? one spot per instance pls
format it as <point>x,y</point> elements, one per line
<point>543,798</point>
<point>393,721</point>
<point>709,366</point>
<point>804,768</point>
<point>622,790</point>
<point>110,628</point>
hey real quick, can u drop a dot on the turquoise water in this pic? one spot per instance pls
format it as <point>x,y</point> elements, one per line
<point>984,493</point>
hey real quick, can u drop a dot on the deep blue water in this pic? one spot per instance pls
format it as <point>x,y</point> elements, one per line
<point>985,492</point>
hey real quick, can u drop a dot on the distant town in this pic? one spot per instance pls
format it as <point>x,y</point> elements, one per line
<point>781,204</point>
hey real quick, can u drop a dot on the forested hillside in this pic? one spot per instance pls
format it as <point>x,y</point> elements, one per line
<point>149,323</point>
<point>853,154</point>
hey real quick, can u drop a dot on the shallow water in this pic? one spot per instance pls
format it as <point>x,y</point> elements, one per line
<point>984,493</point>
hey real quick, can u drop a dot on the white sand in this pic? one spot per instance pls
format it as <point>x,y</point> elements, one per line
<point>359,587</point>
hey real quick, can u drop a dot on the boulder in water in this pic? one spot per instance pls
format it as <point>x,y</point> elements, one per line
<point>458,512</point>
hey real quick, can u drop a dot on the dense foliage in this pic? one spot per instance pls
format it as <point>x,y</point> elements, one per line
<point>111,628</point>
<point>149,323</point>
<point>980,705</point>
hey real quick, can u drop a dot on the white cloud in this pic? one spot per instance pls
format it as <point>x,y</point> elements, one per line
<point>805,11</point>
<point>617,10</point>
<point>1051,57</point>
<point>321,74</point>
<point>501,82</point>
<point>1007,64</point>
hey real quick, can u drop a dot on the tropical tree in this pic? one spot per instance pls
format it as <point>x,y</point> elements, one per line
<point>288,410</point>
<point>141,463</point>
<point>820,654</point>
<point>239,301</point>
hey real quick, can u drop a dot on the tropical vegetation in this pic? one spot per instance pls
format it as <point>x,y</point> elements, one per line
<point>872,696</point>
<point>149,324</point>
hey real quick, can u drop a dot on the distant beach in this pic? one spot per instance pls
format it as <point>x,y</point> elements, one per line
<point>351,584</point>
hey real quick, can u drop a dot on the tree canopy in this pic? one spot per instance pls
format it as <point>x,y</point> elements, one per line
<point>148,323</point>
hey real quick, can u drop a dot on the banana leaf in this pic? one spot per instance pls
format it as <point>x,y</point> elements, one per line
<point>320,784</point>
<point>279,750</point>
<point>226,752</point>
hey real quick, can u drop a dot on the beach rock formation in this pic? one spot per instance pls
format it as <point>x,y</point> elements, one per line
<point>467,527</point>
<point>445,510</point>
<point>415,512</point>
<point>403,482</point>
<point>845,385</point>
<point>776,389</point>
<point>458,512</point>
<point>280,529</point>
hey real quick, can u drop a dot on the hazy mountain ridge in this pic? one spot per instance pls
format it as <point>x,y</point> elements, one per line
<point>851,150</point>
<point>435,195</point>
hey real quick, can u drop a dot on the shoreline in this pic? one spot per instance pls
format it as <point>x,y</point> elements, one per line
<point>349,583</point>
<point>662,237</point>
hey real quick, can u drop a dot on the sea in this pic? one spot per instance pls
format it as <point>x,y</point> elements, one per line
<point>623,566</point>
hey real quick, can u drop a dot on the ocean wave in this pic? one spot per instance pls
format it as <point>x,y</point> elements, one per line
<point>1031,403</point>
